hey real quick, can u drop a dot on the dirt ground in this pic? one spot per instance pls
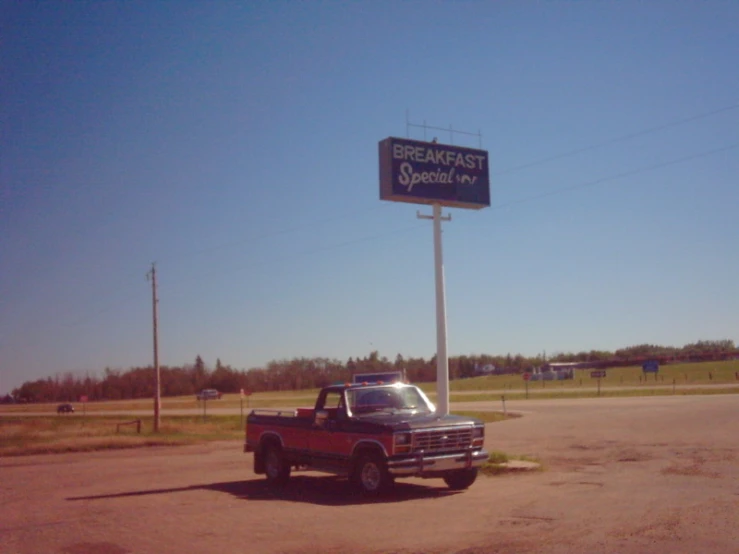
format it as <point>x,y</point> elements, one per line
<point>622,475</point>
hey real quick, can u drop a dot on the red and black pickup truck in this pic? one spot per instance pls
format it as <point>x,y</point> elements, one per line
<point>371,433</point>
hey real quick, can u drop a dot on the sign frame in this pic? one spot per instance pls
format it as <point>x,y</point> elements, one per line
<point>421,172</point>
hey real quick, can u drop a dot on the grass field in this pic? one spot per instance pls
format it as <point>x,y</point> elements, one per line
<point>95,431</point>
<point>683,375</point>
<point>707,373</point>
<point>49,434</point>
<point>261,400</point>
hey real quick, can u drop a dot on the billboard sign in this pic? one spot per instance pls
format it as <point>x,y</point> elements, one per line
<point>428,173</point>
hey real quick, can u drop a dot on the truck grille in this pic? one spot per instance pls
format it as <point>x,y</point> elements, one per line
<point>440,440</point>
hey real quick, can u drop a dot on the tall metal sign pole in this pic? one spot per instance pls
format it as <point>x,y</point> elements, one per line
<point>155,315</point>
<point>442,359</point>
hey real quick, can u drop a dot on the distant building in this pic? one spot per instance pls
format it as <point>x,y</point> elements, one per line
<point>557,371</point>
<point>487,369</point>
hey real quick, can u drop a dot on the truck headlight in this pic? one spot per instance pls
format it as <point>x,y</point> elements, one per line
<point>402,443</point>
<point>478,435</point>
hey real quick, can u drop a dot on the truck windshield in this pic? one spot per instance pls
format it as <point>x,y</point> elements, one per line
<point>386,398</point>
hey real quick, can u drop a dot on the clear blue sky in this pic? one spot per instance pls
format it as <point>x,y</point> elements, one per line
<point>235,144</point>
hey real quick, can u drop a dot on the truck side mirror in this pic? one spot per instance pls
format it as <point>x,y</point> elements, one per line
<point>321,417</point>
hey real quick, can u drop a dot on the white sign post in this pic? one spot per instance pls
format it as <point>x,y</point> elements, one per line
<point>442,360</point>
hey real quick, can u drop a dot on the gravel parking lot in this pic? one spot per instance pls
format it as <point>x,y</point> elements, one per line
<point>622,475</point>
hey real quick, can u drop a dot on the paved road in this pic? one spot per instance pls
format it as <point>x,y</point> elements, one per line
<point>623,475</point>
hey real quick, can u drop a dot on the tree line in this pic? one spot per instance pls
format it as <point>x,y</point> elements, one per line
<point>309,373</point>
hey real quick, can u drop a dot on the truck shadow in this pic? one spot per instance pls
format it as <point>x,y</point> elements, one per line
<point>327,491</point>
<point>323,491</point>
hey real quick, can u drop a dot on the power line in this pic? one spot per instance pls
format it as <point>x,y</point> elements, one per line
<point>561,190</point>
<point>378,236</point>
<point>617,176</point>
<point>88,317</point>
<point>93,315</point>
<point>316,250</point>
<point>513,169</point>
<point>285,231</point>
<point>614,140</point>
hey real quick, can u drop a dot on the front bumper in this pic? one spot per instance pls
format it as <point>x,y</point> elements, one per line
<point>429,464</point>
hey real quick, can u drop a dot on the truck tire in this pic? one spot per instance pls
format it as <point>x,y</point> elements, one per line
<point>258,463</point>
<point>460,479</point>
<point>275,467</point>
<point>370,474</point>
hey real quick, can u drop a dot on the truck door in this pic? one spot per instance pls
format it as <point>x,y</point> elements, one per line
<point>327,440</point>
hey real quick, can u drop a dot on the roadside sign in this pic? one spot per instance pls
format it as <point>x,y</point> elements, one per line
<point>83,398</point>
<point>597,374</point>
<point>650,366</point>
<point>242,393</point>
<point>527,376</point>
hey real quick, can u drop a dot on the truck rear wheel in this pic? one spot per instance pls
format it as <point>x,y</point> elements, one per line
<point>370,474</point>
<point>275,467</point>
<point>460,479</point>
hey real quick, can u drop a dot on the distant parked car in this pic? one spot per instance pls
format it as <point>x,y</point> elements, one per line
<point>209,394</point>
<point>64,409</point>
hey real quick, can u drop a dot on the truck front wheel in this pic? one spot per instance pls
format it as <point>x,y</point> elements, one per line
<point>275,467</point>
<point>370,474</point>
<point>460,479</point>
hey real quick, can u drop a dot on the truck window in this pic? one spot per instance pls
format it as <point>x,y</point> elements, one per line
<point>383,398</point>
<point>333,400</point>
<point>333,403</point>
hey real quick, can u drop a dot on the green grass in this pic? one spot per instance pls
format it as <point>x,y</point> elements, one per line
<point>705,373</point>
<point>496,464</point>
<point>41,435</point>
<point>495,399</point>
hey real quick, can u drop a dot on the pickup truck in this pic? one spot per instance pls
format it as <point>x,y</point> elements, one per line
<point>371,433</point>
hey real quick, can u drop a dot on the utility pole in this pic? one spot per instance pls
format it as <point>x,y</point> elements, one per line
<point>155,314</point>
